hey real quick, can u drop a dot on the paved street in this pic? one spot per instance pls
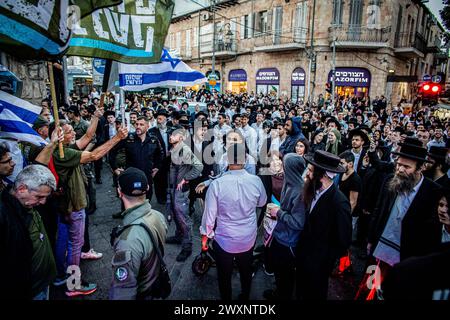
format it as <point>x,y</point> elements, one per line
<point>186,285</point>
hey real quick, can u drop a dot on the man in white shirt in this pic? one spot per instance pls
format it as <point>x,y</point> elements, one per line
<point>250,135</point>
<point>220,130</point>
<point>258,126</point>
<point>230,219</point>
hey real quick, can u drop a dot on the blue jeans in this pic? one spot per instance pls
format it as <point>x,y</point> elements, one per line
<point>182,219</point>
<point>63,247</point>
<point>43,295</point>
<point>76,237</point>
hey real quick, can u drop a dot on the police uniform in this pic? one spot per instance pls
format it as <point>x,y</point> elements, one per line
<point>145,155</point>
<point>135,264</point>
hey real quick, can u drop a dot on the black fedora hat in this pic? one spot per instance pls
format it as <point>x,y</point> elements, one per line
<point>412,148</point>
<point>334,120</point>
<point>361,133</point>
<point>326,161</point>
<point>439,154</point>
<point>162,112</point>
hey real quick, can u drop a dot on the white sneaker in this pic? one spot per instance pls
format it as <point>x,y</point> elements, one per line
<point>91,255</point>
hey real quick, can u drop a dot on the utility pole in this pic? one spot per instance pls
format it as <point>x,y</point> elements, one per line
<point>333,83</point>
<point>213,5</point>
<point>311,54</point>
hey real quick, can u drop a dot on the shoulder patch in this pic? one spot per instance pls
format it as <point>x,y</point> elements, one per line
<point>121,274</point>
<point>121,258</point>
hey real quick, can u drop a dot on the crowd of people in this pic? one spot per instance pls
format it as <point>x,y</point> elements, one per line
<point>355,173</point>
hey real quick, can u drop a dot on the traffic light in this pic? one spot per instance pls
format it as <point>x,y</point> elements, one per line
<point>429,89</point>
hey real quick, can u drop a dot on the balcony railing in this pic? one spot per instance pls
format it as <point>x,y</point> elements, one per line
<point>286,38</point>
<point>434,46</point>
<point>410,40</point>
<point>350,35</point>
<point>222,47</point>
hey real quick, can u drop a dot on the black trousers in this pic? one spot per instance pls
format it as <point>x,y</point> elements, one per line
<point>87,241</point>
<point>98,165</point>
<point>283,264</point>
<point>224,263</point>
<point>161,180</point>
<point>312,279</point>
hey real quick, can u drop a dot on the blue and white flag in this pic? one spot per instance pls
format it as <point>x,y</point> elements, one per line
<point>169,72</point>
<point>17,117</point>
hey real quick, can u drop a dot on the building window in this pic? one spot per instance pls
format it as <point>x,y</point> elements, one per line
<point>188,43</point>
<point>337,12</point>
<point>261,22</point>
<point>300,22</point>
<point>356,7</point>
<point>195,36</point>
<point>246,27</point>
<point>178,44</point>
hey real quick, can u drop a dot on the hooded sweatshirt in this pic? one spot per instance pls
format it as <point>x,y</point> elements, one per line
<point>288,146</point>
<point>291,216</point>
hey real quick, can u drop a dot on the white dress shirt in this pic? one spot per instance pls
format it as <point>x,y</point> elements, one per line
<point>317,197</point>
<point>230,210</point>
<point>251,138</point>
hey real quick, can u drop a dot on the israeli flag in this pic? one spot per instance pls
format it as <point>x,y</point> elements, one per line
<point>17,117</point>
<point>169,72</point>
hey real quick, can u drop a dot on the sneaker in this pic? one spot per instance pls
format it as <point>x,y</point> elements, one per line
<point>59,281</point>
<point>173,240</point>
<point>267,272</point>
<point>183,255</point>
<point>84,290</point>
<point>91,255</point>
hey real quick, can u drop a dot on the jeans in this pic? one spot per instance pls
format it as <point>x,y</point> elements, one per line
<point>224,263</point>
<point>63,247</point>
<point>43,295</point>
<point>182,219</point>
<point>76,237</point>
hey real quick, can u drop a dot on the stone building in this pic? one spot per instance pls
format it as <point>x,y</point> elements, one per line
<point>383,47</point>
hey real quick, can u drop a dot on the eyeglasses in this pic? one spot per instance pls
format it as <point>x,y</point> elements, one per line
<point>7,161</point>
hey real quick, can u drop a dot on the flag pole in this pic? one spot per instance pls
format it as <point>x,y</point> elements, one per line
<point>55,104</point>
<point>105,83</point>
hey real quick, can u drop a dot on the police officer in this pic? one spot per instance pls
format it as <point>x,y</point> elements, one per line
<point>142,151</point>
<point>135,263</point>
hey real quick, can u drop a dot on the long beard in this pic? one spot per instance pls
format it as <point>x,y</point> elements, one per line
<point>309,190</point>
<point>162,126</point>
<point>401,184</point>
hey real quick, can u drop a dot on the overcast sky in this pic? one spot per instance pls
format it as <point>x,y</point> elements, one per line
<point>183,6</point>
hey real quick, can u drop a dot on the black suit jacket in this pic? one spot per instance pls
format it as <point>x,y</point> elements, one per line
<point>421,231</point>
<point>155,131</point>
<point>327,233</point>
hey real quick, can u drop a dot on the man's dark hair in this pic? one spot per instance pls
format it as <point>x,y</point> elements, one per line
<point>134,112</point>
<point>348,156</point>
<point>3,149</point>
<point>142,118</point>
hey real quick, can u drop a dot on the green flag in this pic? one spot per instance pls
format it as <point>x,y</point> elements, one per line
<point>132,32</point>
<point>39,29</point>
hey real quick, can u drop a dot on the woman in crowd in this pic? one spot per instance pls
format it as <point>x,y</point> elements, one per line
<point>318,143</point>
<point>334,144</point>
<point>290,221</point>
<point>302,147</point>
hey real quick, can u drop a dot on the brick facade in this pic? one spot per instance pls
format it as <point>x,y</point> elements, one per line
<point>396,51</point>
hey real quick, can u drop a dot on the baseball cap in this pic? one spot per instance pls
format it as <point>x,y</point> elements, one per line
<point>40,122</point>
<point>133,182</point>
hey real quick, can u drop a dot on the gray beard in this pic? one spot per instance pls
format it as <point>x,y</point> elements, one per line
<point>161,126</point>
<point>399,184</point>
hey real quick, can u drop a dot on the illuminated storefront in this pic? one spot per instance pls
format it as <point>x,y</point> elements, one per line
<point>351,81</point>
<point>237,81</point>
<point>298,84</point>
<point>268,81</point>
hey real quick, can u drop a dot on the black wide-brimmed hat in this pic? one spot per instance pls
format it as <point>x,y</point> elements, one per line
<point>361,133</point>
<point>412,148</point>
<point>439,154</point>
<point>333,119</point>
<point>326,161</point>
<point>162,112</point>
